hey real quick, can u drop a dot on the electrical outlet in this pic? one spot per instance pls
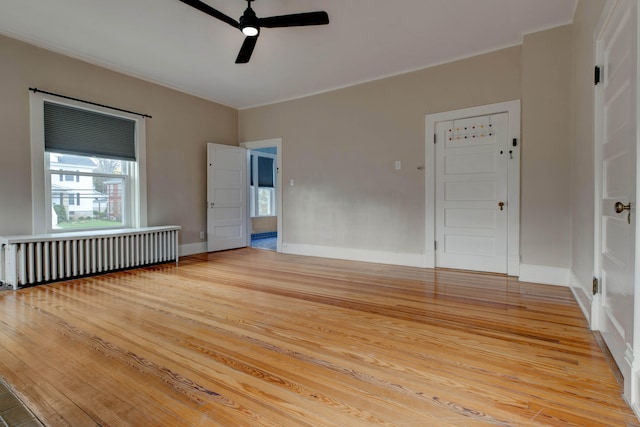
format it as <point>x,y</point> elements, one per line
<point>202,235</point>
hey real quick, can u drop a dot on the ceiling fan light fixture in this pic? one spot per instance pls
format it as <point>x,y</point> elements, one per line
<point>249,23</point>
<point>250,31</point>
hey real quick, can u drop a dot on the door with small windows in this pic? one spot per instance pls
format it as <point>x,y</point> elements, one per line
<point>472,157</point>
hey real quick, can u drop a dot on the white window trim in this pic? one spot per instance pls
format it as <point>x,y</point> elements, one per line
<point>40,198</point>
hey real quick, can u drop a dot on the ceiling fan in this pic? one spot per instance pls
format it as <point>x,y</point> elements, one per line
<point>250,24</point>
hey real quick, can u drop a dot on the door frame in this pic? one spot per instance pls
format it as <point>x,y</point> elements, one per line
<point>266,143</point>
<point>595,319</point>
<point>513,178</point>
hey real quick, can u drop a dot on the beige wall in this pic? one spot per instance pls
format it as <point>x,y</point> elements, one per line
<point>583,141</point>
<point>264,224</point>
<point>176,135</point>
<point>340,147</point>
<point>546,160</point>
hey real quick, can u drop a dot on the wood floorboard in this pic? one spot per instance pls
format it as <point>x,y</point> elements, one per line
<point>251,337</point>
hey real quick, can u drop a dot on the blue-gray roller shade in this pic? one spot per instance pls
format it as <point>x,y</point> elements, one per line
<point>76,131</point>
<point>265,172</point>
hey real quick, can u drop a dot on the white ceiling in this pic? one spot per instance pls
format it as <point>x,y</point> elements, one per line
<point>170,43</point>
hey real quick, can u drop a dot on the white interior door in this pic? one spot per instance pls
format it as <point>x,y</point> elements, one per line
<point>617,112</point>
<point>471,193</point>
<point>226,197</point>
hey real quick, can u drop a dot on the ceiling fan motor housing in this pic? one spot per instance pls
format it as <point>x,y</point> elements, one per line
<point>249,20</point>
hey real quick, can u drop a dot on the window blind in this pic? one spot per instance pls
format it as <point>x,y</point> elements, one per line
<point>76,131</point>
<point>265,172</point>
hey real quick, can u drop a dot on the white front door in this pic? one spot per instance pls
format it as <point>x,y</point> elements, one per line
<point>471,193</point>
<point>226,197</point>
<point>617,110</point>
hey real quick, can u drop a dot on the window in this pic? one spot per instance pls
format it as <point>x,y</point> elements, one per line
<point>93,174</point>
<point>72,199</point>
<point>266,202</point>
<point>263,195</point>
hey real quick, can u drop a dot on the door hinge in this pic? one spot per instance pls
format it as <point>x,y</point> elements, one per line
<point>435,245</point>
<point>434,138</point>
<point>596,286</point>
<point>597,75</point>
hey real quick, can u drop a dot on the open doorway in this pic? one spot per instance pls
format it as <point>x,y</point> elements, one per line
<point>264,194</point>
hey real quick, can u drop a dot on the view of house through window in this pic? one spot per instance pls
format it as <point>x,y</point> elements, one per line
<point>87,192</point>
<point>266,201</point>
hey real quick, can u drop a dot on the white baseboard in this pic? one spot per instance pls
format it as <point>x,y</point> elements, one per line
<point>582,295</point>
<point>545,275</point>
<point>364,255</point>
<point>633,400</point>
<point>528,272</point>
<point>192,249</point>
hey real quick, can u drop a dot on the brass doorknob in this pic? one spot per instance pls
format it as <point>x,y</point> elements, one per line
<point>619,207</point>
<point>501,204</point>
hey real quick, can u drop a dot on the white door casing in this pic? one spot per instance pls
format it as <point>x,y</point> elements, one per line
<point>472,156</point>
<point>512,202</point>
<point>616,159</point>
<point>226,197</point>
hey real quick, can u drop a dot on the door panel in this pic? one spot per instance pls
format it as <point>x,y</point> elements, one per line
<point>471,245</point>
<point>471,163</point>
<point>226,197</point>
<point>470,190</point>
<point>618,148</point>
<point>470,218</point>
<point>471,182</point>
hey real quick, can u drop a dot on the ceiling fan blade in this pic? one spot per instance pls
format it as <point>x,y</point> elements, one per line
<point>295,20</point>
<point>246,50</point>
<point>203,7</point>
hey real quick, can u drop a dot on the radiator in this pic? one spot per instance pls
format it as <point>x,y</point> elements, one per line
<point>32,260</point>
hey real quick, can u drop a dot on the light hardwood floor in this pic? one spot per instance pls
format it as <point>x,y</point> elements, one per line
<point>252,337</point>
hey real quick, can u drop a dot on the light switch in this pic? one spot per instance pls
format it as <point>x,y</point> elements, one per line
<point>398,165</point>
<point>291,183</point>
